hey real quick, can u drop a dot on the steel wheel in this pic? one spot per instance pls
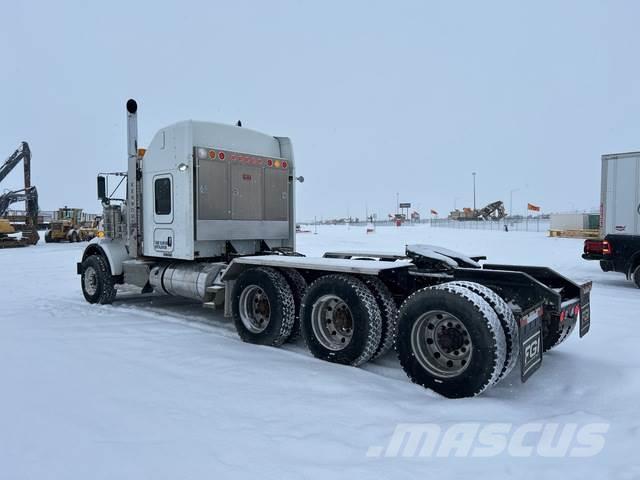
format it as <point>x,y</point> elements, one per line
<point>90,280</point>
<point>97,284</point>
<point>255,309</point>
<point>263,307</point>
<point>441,344</point>
<point>332,322</point>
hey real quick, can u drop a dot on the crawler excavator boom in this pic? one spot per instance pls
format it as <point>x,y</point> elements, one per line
<point>28,195</point>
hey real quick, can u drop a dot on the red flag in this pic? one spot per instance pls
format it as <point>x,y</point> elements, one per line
<point>532,207</point>
<point>433,212</point>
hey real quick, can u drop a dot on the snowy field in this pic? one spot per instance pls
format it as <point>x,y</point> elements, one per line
<point>159,388</point>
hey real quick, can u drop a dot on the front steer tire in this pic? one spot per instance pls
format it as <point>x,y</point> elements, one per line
<point>263,307</point>
<point>456,319</point>
<point>98,285</point>
<point>340,320</point>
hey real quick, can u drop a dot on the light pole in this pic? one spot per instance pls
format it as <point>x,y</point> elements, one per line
<point>474,191</point>
<point>511,192</point>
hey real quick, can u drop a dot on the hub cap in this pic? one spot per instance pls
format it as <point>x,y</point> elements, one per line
<point>332,322</point>
<point>441,344</point>
<point>90,280</point>
<point>255,309</point>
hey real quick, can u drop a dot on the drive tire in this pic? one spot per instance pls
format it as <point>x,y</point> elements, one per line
<point>263,307</point>
<point>554,332</point>
<point>471,314</point>
<point>97,283</point>
<point>47,237</point>
<point>507,320</point>
<point>388,312</point>
<point>298,286</point>
<point>354,315</point>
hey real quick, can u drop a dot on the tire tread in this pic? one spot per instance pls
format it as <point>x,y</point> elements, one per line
<point>389,315</point>
<point>367,298</point>
<point>507,320</point>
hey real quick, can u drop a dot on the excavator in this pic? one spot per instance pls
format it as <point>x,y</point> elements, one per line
<point>493,211</point>
<point>28,235</point>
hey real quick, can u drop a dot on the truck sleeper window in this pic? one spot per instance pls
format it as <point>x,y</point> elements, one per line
<point>162,188</point>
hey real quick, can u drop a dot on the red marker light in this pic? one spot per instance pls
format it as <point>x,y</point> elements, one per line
<point>221,155</point>
<point>576,310</point>
<point>270,162</point>
<point>284,164</point>
<point>562,315</point>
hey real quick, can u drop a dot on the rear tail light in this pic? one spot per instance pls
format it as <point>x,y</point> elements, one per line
<point>600,247</point>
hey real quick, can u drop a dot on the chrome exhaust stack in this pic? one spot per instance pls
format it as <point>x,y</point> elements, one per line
<point>133,183</point>
<point>132,128</point>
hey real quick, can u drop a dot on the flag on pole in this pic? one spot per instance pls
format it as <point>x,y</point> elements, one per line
<point>433,212</point>
<point>532,207</point>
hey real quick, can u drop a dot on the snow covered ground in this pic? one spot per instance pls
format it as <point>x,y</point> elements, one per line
<point>155,387</point>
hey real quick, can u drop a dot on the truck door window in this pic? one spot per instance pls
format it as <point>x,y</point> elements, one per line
<point>162,188</point>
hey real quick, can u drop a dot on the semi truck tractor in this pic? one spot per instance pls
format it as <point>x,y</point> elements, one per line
<point>618,248</point>
<point>209,214</point>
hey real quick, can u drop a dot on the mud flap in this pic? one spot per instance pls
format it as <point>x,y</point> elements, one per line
<point>585,308</point>
<point>530,342</point>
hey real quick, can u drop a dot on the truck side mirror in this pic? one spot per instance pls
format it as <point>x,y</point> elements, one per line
<point>102,187</point>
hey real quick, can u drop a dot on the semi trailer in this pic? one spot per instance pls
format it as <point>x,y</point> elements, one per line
<point>209,214</point>
<point>618,248</point>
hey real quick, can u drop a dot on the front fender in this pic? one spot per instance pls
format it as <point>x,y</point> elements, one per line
<point>113,250</point>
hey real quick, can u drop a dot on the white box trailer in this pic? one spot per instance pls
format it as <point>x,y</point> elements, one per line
<point>569,221</point>
<point>209,215</point>
<point>620,194</point>
<point>619,247</point>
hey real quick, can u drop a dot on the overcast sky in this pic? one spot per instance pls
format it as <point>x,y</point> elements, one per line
<point>378,97</point>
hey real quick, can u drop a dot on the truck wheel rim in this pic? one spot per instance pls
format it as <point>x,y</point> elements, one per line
<point>332,322</point>
<point>255,309</point>
<point>441,344</point>
<point>90,280</point>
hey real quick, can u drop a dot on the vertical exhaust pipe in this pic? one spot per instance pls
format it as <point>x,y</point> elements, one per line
<point>133,183</point>
<point>132,127</point>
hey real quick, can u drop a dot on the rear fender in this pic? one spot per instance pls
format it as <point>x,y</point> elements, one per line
<point>515,287</point>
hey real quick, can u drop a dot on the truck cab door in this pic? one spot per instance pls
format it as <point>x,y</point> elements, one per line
<point>163,213</point>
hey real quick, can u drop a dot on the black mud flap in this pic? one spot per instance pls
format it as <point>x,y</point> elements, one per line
<point>585,308</point>
<point>530,342</point>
